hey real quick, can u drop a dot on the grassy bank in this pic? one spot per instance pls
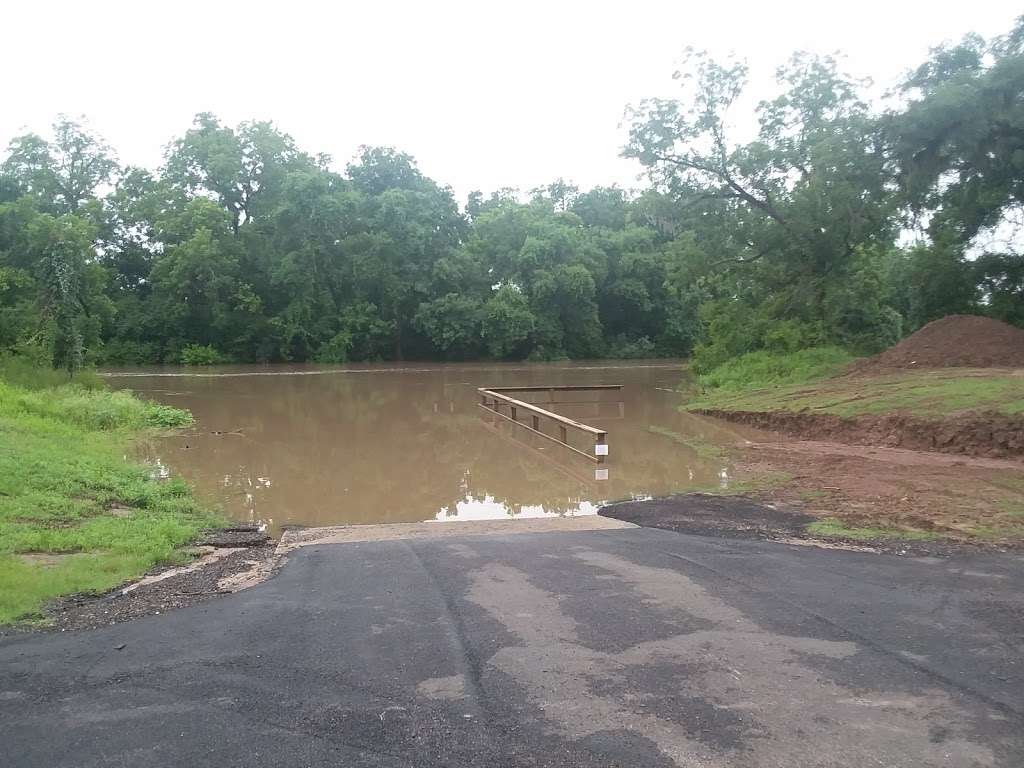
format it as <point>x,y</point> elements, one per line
<point>75,514</point>
<point>808,381</point>
<point>860,496</point>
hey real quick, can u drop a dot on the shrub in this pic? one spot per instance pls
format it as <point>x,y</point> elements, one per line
<point>201,354</point>
<point>763,368</point>
<point>792,335</point>
<point>336,349</point>
<point>93,409</point>
<point>734,329</point>
<point>22,372</point>
<point>166,416</point>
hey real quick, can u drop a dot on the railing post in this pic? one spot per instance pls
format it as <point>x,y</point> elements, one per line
<point>492,401</point>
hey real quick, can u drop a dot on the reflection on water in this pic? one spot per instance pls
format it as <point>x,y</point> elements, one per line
<point>371,444</point>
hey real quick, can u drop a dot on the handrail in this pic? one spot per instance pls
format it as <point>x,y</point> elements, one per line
<point>548,456</point>
<point>537,409</point>
<point>600,436</point>
<point>558,387</point>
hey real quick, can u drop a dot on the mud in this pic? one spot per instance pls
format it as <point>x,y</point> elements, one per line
<point>740,517</point>
<point>240,536</point>
<point>709,515</point>
<point>968,502</point>
<point>161,590</point>
<point>985,434</point>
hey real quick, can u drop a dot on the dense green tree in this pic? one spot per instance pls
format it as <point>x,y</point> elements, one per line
<point>929,281</point>
<point>787,213</point>
<point>453,325</point>
<point>62,174</point>
<point>960,140</point>
<point>235,165</point>
<point>61,248</point>
<point>508,323</point>
<point>244,247</point>
<point>1000,279</point>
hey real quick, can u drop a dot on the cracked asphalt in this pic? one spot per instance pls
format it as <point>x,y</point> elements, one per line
<point>633,647</point>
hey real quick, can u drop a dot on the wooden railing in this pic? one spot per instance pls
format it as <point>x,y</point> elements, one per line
<point>493,399</point>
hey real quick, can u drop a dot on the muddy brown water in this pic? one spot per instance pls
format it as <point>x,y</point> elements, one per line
<point>394,443</point>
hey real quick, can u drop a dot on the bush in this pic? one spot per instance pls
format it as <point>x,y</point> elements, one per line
<point>201,354</point>
<point>763,368</point>
<point>336,349</point>
<point>730,328</point>
<point>22,372</point>
<point>792,335</point>
<point>166,416</point>
<point>93,409</point>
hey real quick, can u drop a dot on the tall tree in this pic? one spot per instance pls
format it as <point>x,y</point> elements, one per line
<point>235,165</point>
<point>64,173</point>
<point>960,140</point>
<point>799,203</point>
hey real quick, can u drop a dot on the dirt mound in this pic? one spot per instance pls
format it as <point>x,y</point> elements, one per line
<point>956,341</point>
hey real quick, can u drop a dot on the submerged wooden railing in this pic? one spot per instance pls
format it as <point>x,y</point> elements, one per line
<point>493,399</point>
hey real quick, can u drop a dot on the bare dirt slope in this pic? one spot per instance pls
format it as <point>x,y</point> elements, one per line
<point>959,498</point>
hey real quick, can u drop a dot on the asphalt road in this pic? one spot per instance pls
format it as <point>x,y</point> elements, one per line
<point>631,648</point>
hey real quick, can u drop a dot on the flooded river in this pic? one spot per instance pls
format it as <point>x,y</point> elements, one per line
<point>391,443</point>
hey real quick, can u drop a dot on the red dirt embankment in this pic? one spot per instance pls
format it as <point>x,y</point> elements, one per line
<point>993,435</point>
<point>956,341</point>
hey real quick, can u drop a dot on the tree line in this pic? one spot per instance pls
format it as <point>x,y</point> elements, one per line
<point>835,223</point>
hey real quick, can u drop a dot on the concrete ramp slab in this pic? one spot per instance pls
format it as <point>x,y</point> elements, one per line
<point>347,534</point>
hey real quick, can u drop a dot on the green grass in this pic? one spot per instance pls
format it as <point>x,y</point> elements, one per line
<point>21,372</point>
<point>806,387</point>
<point>1011,507</point>
<point>63,475</point>
<point>1005,531</point>
<point>835,529</point>
<point>764,369</point>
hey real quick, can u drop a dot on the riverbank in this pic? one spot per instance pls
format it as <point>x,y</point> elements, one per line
<point>76,515</point>
<point>901,454</point>
<point>977,412</point>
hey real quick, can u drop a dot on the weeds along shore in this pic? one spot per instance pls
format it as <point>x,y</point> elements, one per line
<point>77,513</point>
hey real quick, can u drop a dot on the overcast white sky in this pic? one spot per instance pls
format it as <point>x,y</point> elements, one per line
<point>483,94</point>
